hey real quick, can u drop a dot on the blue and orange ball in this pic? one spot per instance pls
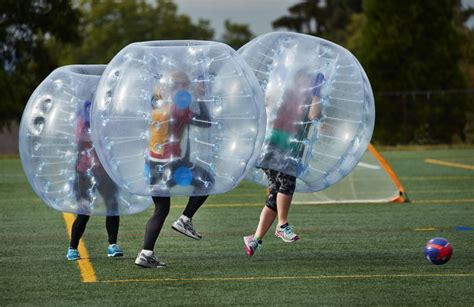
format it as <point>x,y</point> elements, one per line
<point>438,251</point>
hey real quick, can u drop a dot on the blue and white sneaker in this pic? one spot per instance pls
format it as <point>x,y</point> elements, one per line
<point>72,254</point>
<point>286,234</point>
<point>114,251</point>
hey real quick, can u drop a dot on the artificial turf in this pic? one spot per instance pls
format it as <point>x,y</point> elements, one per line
<point>349,254</point>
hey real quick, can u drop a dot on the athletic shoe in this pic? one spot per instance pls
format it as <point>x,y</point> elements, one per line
<point>72,254</point>
<point>251,245</point>
<point>184,225</point>
<point>149,261</point>
<point>114,251</point>
<point>286,234</point>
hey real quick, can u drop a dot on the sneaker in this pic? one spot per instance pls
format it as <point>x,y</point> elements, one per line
<point>114,251</point>
<point>286,234</point>
<point>72,254</point>
<point>149,261</point>
<point>251,245</point>
<point>184,225</point>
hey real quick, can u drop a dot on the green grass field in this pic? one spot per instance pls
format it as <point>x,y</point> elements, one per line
<point>349,254</point>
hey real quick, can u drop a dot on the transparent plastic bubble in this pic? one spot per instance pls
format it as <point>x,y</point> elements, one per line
<point>320,108</point>
<point>57,152</point>
<point>179,117</point>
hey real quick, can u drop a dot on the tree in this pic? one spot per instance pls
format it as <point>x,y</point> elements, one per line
<point>25,29</point>
<point>400,51</point>
<point>323,18</point>
<point>236,35</point>
<point>108,25</point>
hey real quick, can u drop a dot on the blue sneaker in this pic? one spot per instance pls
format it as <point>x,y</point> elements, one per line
<point>114,251</point>
<point>72,254</point>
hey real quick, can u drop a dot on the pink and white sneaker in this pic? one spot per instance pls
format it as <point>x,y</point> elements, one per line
<point>251,245</point>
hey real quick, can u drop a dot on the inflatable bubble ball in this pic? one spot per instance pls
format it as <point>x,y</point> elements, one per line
<point>178,118</point>
<point>57,152</point>
<point>320,108</point>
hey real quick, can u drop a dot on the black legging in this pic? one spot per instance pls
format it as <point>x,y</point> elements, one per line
<point>162,208</point>
<point>79,226</point>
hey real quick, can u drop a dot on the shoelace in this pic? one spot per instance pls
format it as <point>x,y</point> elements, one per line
<point>254,244</point>
<point>288,230</point>
<point>153,259</point>
<point>189,226</point>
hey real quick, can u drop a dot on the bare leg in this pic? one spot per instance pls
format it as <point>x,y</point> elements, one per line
<point>283,205</point>
<point>266,220</point>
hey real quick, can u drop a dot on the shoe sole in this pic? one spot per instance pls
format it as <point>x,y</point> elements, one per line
<point>73,259</point>
<point>150,267</point>
<point>287,241</point>
<point>248,250</point>
<point>115,255</point>
<point>184,233</point>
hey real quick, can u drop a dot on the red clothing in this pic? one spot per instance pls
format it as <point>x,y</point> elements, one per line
<point>87,156</point>
<point>290,112</point>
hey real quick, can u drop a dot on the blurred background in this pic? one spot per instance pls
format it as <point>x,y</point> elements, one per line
<point>418,55</point>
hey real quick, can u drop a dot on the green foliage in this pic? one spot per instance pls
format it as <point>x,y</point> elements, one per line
<point>236,35</point>
<point>401,51</point>
<point>38,36</point>
<point>109,25</point>
<point>26,27</point>
<point>323,18</point>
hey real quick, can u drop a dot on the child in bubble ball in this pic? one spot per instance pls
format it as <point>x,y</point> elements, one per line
<point>167,166</point>
<point>300,106</point>
<point>91,175</point>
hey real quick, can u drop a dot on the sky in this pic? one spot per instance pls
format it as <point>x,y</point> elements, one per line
<point>258,14</point>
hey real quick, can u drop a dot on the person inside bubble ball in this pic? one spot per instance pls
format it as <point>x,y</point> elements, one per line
<point>90,175</point>
<point>299,108</point>
<point>167,165</point>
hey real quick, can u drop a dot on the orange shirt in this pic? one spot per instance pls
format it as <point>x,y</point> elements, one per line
<point>166,130</point>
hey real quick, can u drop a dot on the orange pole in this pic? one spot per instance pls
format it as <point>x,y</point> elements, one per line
<point>402,197</point>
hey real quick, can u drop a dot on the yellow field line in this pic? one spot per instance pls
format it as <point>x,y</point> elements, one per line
<point>425,229</point>
<point>227,205</point>
<point>424,201</point>
<point>316,277</point>
<point>465,200</point>
<point>450,164</point>
<point>443,178</point>
<point>230,205</point>
<point>85,266</point>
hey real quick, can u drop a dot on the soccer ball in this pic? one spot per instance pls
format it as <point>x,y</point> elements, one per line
<point>438,251</point>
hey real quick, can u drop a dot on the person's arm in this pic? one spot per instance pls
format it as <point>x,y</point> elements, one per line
<point>203,119</point>
<point>315,108</point>
<point>82,139</point>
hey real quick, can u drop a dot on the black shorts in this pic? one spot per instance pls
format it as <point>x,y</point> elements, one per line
<point>278,183</point>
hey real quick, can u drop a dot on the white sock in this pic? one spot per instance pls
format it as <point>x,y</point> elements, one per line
<point>147,252</point>
<point>184,218</point>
